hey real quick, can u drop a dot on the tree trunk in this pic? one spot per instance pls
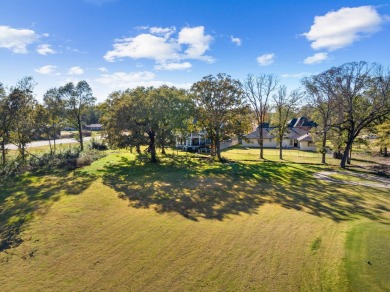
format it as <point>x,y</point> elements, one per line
<point>152,147</point>
<point>80,134</point>
<point>261,141</point>
<point>138,148</point>
<point>3,152</point>
<point>54,138</point>
<point>323,148</point>
<point>51,149</point>
<point>346,153</point>
<point>385,154</point>
<point>350,156</point>
<point>218,146</point>
<point>23,153</point>
<point>280,150</point>
<point>162,142</point>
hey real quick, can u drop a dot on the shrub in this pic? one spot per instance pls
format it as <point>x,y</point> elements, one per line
<point>99,145</point>
<point>84,160</point>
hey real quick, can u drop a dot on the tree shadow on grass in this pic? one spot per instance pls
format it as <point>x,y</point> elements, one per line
<point>21,197</point>
<point>216,191</point>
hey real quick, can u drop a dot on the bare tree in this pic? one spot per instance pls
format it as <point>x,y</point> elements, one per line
<point>360,95</point>
<point>319,95</point>
<point>258,90</point>
<point>284,107</point>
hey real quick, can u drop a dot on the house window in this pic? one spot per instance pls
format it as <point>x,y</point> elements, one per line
<point>310,143</point>
<point>270,140</point>
<point>291,142</point>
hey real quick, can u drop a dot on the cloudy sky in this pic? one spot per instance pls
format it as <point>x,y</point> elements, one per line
<point>118,44</point>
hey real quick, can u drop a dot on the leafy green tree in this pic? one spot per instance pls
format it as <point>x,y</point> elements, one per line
<point>170,108</point>
<point>383,137</point>
<point>76,100</point>
<point>53,112</point>
<point>23,106</point>
<point>218,99</point>
<point>258,91</point>
<point>122,115</point>
<point>285,105</point>
<point>5,121</point>
<point>145,116</point>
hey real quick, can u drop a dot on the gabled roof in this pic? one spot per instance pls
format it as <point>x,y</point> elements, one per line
<point>256,135</point>
<point>306,137</point>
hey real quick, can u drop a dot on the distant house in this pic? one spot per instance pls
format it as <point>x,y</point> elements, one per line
<point>193,142</point>
<point>94,127</point>
<point>297,136</point>
<point>306,143</point>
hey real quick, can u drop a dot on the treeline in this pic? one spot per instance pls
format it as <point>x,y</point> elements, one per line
<point>344,101</point>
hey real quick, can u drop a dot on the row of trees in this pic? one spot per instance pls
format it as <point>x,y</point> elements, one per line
<point>24,119</point>
<point>344,101</point>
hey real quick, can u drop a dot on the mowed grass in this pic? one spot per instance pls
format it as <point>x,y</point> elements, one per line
<point>190,224</point>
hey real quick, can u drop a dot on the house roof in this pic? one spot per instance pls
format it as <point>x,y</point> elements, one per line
<point>95,125</point>
<point>292,133</point>
<point>256,135</point>
<point>305,137</point>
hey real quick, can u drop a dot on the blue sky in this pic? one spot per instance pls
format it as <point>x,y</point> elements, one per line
<point>116,44</point>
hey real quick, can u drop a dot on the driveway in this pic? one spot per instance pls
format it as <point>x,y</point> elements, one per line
<point>46,143</point>
<point>376,182</point>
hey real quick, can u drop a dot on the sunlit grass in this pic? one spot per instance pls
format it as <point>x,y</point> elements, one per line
<point>189,223</point>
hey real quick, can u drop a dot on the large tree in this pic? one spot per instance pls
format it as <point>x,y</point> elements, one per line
<point>76,99</point>
<point>319,96</point>
<point>23,107</point>
<point>146,116</point>
<point>285,105</point>
<point>53,112</point>
<point>360,94</point>
<point>258,91</point>
<point>5,121</point>
<point>171,107</point>
<point>219,100</point>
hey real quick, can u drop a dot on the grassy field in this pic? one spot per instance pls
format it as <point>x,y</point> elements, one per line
<point>190,224</point>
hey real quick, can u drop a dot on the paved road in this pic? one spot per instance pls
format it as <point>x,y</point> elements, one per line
<point>46,143</point>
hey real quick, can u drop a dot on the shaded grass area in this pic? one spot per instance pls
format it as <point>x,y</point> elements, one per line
<point>197,188</point>
<point>20,198</point>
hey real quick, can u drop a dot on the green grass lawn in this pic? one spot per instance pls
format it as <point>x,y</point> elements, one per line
<point>189,223</point>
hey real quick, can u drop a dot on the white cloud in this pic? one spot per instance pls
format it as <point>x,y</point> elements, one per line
<point>102,69</point>
<point>75,71</point>
<point>15,39</point>
<point>122,80</point>
<point>165,31</point>
<point>165,49</point>
<point>338,29</point>
<point>173,66</point>
<point>48,69</point>
<point>143,46</point>
<point>236,41</point>
<point>316,58</point>
<point>266,59</point>
<point>198,43</point>
<point>45,49</point>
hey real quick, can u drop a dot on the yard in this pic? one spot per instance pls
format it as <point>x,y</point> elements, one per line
<point>192,224</point>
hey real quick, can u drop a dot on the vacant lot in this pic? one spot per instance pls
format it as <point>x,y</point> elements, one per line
<point>192,224</point>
